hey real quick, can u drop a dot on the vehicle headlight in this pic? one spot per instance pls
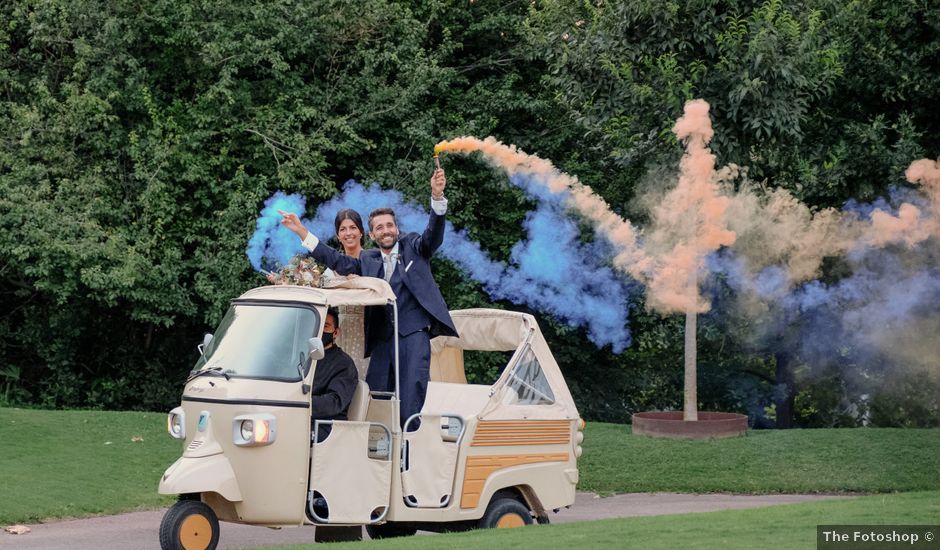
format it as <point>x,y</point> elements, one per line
<point>254,430</point>
<point>176,423</point>
<point>247,429</point>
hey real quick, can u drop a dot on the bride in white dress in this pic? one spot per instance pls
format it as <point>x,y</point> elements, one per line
<point>351,236</point>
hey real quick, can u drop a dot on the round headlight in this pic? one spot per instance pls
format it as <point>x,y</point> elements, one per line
<point>176,425</point>
<point>248,430</point>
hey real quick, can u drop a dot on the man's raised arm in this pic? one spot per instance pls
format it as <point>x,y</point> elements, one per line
<point>433,235</point>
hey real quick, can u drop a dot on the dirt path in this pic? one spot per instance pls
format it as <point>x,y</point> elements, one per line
<point>138,530</point>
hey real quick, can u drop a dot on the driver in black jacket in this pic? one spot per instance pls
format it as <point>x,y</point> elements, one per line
<point>335,380</point>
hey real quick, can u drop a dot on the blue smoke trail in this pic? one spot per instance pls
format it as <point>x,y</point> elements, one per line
<point>272,245</point>
<point>885,296</point>
<point>551,271</point>
<point>896,196</point>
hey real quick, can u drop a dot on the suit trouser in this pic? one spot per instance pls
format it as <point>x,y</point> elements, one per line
<point>414,368</point>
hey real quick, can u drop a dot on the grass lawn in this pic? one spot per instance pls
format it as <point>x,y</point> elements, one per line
<point>57,464</point>
<point>869,460</point>
<point>778,527</point>
<point>81,463</point>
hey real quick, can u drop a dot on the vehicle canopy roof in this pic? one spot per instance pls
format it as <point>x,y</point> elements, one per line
<point>355,291</point>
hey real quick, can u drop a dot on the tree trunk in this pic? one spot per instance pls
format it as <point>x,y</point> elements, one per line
<point>690,411</point>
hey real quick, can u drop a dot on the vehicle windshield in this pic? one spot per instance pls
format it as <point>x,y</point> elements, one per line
<point>261,341</point>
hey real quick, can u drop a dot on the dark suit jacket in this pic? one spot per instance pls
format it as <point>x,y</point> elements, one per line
<point>415,269</point>
<point>334,384</point>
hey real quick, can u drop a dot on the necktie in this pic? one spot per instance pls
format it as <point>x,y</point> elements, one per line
<point>390,261</point>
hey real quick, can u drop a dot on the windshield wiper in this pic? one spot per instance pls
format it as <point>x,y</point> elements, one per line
<point>214,371</point>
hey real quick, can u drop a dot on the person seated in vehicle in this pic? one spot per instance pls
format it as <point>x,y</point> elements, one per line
<point>335,380</point>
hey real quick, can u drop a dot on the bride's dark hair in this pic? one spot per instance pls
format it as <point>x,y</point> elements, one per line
<point>350,214</point>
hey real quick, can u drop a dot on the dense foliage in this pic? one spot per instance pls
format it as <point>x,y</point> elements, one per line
<point>138,141</point>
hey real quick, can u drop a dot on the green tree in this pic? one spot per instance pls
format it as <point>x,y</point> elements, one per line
<point>829,100</point>
<point>138,142</point>
<point>138,145</point>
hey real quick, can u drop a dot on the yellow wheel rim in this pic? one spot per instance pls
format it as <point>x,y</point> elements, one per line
<point>509,521</point>
<point>195,532</point>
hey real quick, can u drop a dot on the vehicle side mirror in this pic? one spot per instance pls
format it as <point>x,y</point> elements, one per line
<point>205,342</point>
<point>315,349</point>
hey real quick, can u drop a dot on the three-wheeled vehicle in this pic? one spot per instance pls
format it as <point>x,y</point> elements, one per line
<point>476,455</point>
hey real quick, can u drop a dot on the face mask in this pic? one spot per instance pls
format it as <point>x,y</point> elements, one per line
<point>327,339</point>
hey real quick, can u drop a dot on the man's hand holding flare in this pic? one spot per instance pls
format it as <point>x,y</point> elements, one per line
<point>438,183</point>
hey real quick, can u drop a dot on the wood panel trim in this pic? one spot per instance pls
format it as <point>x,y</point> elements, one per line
<point>479,468</point>
<point>496,433</point>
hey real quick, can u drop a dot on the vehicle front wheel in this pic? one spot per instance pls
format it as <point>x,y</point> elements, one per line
<point>189,525</point>
<point>390,530</point>
<point>504,513</point>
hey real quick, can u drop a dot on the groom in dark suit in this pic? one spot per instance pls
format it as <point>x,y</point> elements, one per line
<point>405,262</point>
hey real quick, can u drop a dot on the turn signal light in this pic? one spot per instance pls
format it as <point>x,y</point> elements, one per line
<point>254,430</point>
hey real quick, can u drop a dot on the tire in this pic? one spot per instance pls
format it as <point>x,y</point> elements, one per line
<point>390,530</point>
<point>504,513</point>
<point>189,525</point>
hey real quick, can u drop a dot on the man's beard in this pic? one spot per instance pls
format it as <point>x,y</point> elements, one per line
<point>389,246</point>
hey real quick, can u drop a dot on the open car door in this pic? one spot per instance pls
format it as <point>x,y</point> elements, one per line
<point>351,460</point>
<point>350,473</point>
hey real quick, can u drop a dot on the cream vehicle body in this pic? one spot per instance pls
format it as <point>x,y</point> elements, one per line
<point>476,455</point>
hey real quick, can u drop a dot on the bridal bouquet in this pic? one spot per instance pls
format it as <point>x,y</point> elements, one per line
<point>302,272</point>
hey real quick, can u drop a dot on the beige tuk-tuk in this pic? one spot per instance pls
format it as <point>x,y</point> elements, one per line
<point>498,455</point>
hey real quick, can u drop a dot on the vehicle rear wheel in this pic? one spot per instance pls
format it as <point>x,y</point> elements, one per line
<point>189,525</point>
<point>505,513</point>
<point>390,530</point>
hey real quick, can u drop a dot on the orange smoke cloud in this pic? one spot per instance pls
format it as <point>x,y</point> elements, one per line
<point>690,222</point>
<point>911,225</point>
<point>775,228</point>
<point>580,197</point>
<point>907,227</point>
